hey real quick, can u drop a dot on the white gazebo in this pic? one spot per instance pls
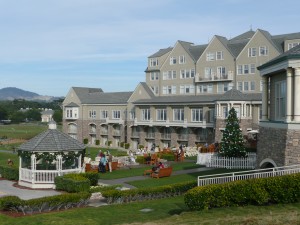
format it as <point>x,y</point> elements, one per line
<point>49,154</point>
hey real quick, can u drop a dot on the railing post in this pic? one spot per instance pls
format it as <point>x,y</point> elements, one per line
<point>233,177</point>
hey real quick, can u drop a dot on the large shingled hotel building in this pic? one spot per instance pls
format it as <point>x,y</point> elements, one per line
<point>185,98</point>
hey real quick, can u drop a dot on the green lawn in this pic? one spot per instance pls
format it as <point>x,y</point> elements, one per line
<point>5,156</point>
<point>21,131</point>
<point>165,211</point>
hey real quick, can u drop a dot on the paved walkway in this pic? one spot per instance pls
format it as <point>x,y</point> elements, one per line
<point>7,188</point>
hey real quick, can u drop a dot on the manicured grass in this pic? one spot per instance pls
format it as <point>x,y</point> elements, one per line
<point>94,151</point>
<point>164,211</point>
<point>5,156</point>
<point>21,131</point>
<point>126,172</point>
<point>173,179</point>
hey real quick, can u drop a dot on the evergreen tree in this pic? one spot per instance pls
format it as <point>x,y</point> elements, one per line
<point>232,144</point>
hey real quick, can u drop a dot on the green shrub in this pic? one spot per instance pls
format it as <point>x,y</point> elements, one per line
<point>140,159</point>
<point>92,176</point>
<point>97,142</point>
<point>104,188</point>
<point>282,189</point>
<point>169,157</point>
<point>122,144</point>
<point>126,145</point>
<point>72,183</point>
<point>141,146</point>
<point>9,172</point>
<point>109,143</point>
<point>10,203</point>
<point>125,196</point>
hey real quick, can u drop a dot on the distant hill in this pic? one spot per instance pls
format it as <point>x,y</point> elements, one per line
<point>11,93</point>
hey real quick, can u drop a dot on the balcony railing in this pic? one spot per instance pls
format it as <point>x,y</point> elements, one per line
<point>104,132</point>
<point>151,135</point>
<point>166,136</point>
<point>201,138</point>
<point>92,131</point>
<point>214,77</point>
<point>72,131</point>
<point>135,134</point>
<point>182,136</point>
<point>117,133</point>
<point>169,123</point>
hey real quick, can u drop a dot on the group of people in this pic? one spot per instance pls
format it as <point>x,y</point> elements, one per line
<point>104,159</point>
<point>159,166</point>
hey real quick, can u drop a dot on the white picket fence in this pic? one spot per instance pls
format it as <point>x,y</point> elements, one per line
<point>244,175</point>
<point>215,161</point>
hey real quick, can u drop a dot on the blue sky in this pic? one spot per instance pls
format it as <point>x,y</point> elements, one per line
<point>48,46</point>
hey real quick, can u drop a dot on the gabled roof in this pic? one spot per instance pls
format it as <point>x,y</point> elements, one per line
<point>52,140</point>
<point>197,50</point>
<point>97,96</point>
<point>269,37</point>
<point>72,104</point>
<point>279,39</point>
<point>147,89</point>
<point>161,52</point>
<point>235,95</point>
<point>293,53</point>
<point>47,112</point>
<point>187,46</point>
<point>244,36</point>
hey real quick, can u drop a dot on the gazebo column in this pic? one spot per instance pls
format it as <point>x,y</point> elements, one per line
<point>59,164</point>
<point>33,168</point>
<point>297,95</point>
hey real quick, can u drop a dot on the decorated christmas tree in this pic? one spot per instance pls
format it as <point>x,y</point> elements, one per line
<point>232,144</point>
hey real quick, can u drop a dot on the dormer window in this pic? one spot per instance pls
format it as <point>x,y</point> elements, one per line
<point>153,62</point>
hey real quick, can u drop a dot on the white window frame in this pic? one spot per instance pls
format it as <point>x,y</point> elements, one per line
<point>182,59</point>
<point>145,114</point>
<point>92,114</point>
<point>204,88</point>
<point>103,114</point>
<point>161,114</point>
<point>116,114</point>
<point>173,60</point>
<point>252,52</point>
<point>153,62</point>
<point>187,89</point>
<point>178,114</point>
<point>239,85</point>
<point>210,56</point>
<point>225,111</point>
<point>197,115</point>
<point>154,76</point>
<point>155,89</point>
<point>263,51</point>
<point>292,45</point>
<point>219,55</point>
<point>221,71</point>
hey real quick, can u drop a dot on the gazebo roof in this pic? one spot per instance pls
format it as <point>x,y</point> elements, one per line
<point>52,140</point>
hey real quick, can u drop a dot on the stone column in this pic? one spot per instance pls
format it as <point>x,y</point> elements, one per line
<point>297,95</point>
<point>265,92</point>
<point>289,91</point>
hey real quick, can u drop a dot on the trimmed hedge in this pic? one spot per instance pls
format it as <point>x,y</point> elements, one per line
<point>92,176</point>
<point>9,172</point>
<point>72,183</point>
<point>282,189</point>
<point>57,202</point>
<point>132,195</point>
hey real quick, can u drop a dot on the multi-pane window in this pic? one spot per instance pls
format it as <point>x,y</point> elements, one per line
<point>145,114</point>
<point>251,52</point>
<point>155,89</point>
<point>219,55</point>
<point>72,112</point>
<point>238,113</point>
<point>252,85</point>
<point>187,89</point>
<point>280,100</point>
<point>132,115</point>
<point>69,113</point>
<point>208,72</point>
<point>239,86</point>
<point>221,71</point>
<point>92,114</point>
<point>246,86</point>
<point>246,69</point>
<point>178,114</point>
<point>170,89</point>
<point>181,59</point>
<point>205,88</point>
<point>197,115</point>
<point>103,114</point>
<point>292,45</point>
<point>154,76</point>
<point>169,75</point>
<point>225,111</point>
<point>224,87</point>
<point>161,114</point>
<point>263,51</point>
<point>210,56</point>
<point>153,62</point>
<point>116,114</point>
<point>187,73</point>
<point>172,60</point>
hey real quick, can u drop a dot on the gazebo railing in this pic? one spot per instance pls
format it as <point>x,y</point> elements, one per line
<point>43,176</point>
